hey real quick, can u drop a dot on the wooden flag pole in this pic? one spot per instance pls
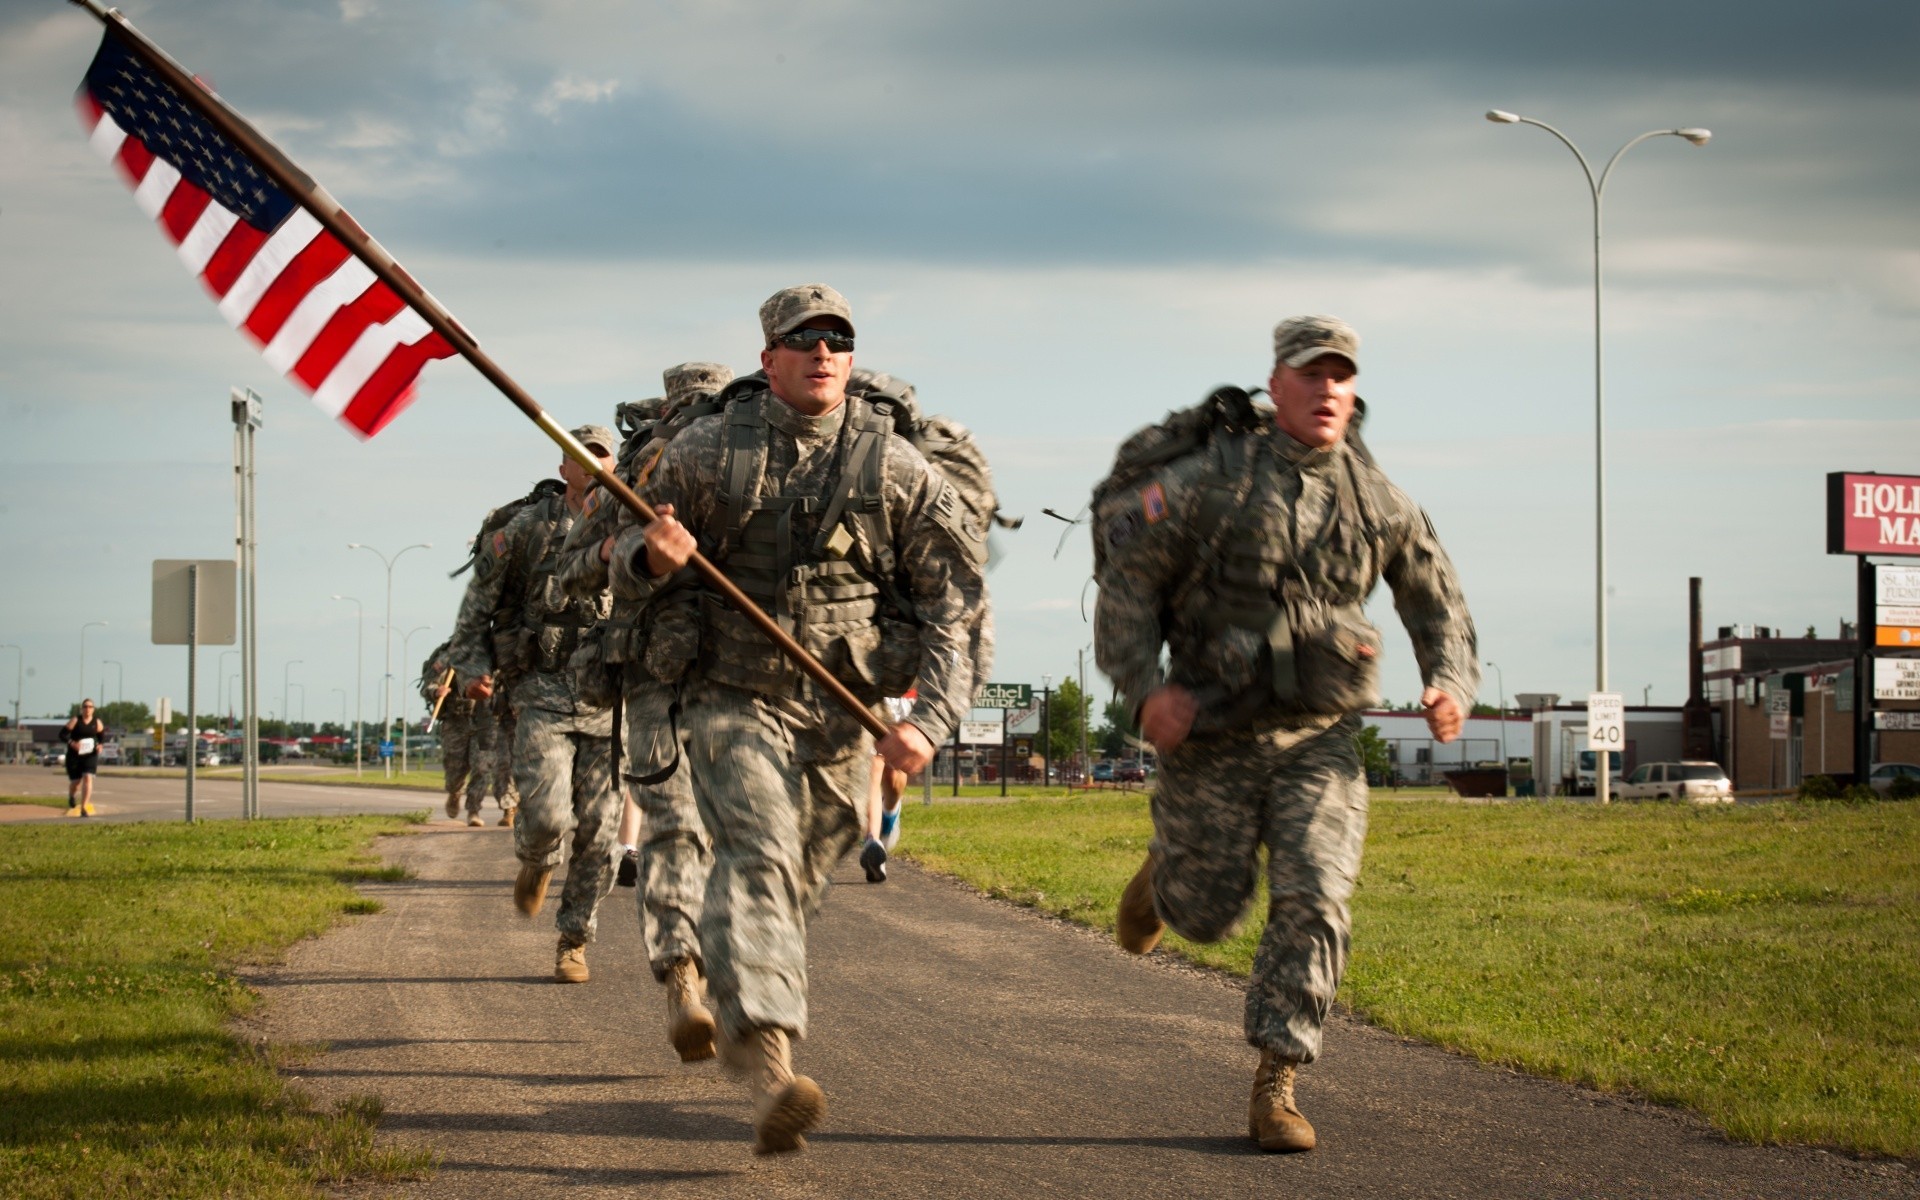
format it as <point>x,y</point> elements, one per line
<point>445,690</point>
<point>326,210</point>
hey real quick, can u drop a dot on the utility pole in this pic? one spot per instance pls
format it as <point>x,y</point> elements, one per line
<point>245,404</point>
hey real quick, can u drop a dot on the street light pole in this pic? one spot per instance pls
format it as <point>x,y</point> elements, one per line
<point>359,688</point>
<point>221,698</point>
<point>1598,187</point>
<point>19,678</point>
<point>119,680</point>
<point>1502,677</point>
<point>286,691</point>
<point>83,657</point>
<point>386,681</point>
<point>406,694</point>
<point>1086,767</point>
<point>1046,731</point>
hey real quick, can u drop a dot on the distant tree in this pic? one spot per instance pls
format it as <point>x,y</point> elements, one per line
<point>1375,755</point>
<point>1481,709</point>
<point>126,716</point>
<point>1117,723</point>
<point>1067,715</point>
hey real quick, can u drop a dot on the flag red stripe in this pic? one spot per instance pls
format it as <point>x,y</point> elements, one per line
<point>319,259</point>
<point>183,208</point>
<point>390,387</point>
<point>90,110</point>
<point>376,304</point>
<point>133,160</point>
<point>243,241</point>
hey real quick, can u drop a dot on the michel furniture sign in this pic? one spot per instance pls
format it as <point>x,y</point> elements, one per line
<point>1873,514</point>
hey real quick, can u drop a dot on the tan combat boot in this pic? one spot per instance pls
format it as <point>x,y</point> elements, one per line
<point>1136,926</point>
<point>1272,1119</point>
<point>570,964</point>
<point>690,1026</point>
<point>506,818</point>
<point>785,1105</point>
<point>453,807</point>
<point>530,888</point>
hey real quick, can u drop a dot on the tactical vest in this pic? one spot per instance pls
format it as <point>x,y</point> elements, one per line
<point>821,566</point>
<point>626,632</point>
<point>552,621</point>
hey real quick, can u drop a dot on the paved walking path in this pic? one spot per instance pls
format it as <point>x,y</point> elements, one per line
<point>155,798</point>
<point>966,1048</point>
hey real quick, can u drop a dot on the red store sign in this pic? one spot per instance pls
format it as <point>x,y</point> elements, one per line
<point>1873,514</point>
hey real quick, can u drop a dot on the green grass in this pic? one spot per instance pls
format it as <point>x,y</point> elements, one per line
<point>42,801</point>
<point>118,1074</point>
<point>419,781</point>
<point>1760,964</point>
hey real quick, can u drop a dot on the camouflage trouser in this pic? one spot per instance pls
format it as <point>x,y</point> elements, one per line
<point>782,803</point>
<point>564,767</point>
<point>1301,794</point>
<point>466,761</point>
<point>504,728</point>
<point>675,852</point>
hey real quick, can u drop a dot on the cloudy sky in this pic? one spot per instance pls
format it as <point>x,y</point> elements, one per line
<point>1059,220</point>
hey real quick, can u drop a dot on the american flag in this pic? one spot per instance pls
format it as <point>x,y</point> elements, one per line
<point>318,313</point>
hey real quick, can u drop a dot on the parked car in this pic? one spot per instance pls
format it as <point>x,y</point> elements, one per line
<point>1699,782</point>
<point>1103,772</point>
<point>1884,775</point>
<point>53,758</point>
<point>1131,773</point>
<point>209,758</point>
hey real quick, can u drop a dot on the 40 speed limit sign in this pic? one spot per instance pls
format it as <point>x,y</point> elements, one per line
<point>1606,721</point>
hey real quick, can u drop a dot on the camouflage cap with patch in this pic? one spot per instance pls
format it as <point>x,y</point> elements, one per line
<point>789,308</point>
<point>1297,341</point>
<point>690,379</point>
<point>596,436</point>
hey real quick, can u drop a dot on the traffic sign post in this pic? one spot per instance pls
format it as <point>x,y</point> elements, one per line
<point>1607,736</point>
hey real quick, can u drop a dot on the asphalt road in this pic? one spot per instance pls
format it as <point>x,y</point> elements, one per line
<point>130,798</point>
<point>967,1049</point>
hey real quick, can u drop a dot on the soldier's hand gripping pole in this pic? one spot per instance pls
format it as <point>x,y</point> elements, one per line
<point>326,210</point>
<point>446,689</point>
<point>617,488</point>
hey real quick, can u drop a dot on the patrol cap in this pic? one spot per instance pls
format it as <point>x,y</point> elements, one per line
<point>596,437</point>
<point>689,379</point>
<point>1297,341</point>
<point>790,308</point>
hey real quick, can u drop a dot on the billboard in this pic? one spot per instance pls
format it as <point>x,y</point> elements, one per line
<point>1873,514</point>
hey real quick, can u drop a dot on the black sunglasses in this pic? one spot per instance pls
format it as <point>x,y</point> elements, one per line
<point>806,339</point>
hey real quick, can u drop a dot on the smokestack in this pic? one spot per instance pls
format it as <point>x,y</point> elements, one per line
<point>1696,669</point>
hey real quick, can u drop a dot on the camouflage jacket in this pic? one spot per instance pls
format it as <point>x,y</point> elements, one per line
<point>936,568</point>
<point>431,673</point>
<point>516,621</point>
<point>1278,589</point>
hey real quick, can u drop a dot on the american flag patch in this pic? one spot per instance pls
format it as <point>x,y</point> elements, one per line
<point>1153,502</point>
<point>499,543</point>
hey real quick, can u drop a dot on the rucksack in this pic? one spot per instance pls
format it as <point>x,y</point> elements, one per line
<point>497,519</point>
<point>1221,422</point>
<point>948,446</point>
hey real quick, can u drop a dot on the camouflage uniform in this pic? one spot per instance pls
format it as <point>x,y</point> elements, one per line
<point>779,771</point>
<point>651,656</point>
<point>504,727</point>
<point>563,749</point>
<point>466,760</point>
<point>1260,617</point>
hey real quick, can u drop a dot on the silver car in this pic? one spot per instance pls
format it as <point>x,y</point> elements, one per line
<point>1699,782</point>
<point>1883,774</point>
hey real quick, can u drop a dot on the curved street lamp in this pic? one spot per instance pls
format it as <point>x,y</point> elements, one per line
<point>406,656</point>
<point>386,682</point>
<point>359,688</point>
<point>1597,187</point>
<point>83,657</point>
<point>1502,677</point>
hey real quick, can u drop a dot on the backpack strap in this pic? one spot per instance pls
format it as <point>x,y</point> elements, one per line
<point>860,489</point>
<point>741,469</point>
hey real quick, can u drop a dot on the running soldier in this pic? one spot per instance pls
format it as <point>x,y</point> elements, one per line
<point>649,649</point>
<point>1246,540</point>
<point>844,533</point>
<point>516,619</point>
<point>466,737</point>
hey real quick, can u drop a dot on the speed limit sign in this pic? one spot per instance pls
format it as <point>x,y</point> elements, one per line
<point>1606,721</point>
